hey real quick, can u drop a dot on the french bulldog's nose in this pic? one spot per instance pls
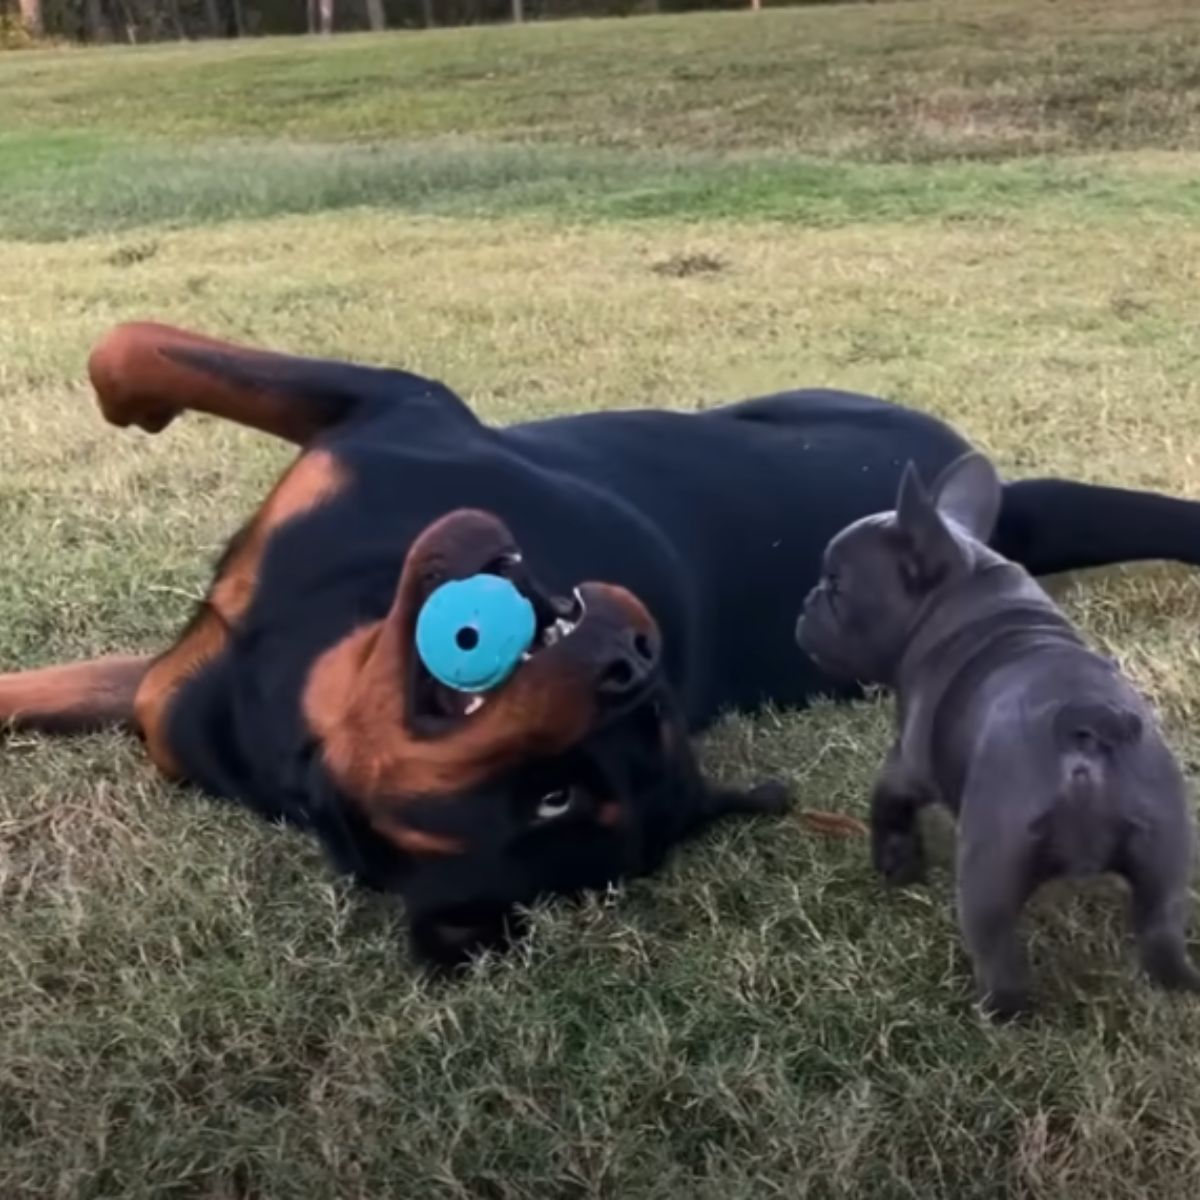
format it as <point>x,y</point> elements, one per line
<point>805,631</point>
<point>632,659</point>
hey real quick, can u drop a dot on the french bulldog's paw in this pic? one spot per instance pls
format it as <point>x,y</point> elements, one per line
<point>900,858</point>
<point>1184,981</point>
<point>1006,1004</point>
<point>1168,966</point>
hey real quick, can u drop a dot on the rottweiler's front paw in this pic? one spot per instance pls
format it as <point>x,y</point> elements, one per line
<point>770,799</point>
<point>773,798</point>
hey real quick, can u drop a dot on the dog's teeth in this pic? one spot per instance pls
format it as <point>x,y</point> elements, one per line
<point>526,657</point>
<point>473,705</point>
<point>564,627</point>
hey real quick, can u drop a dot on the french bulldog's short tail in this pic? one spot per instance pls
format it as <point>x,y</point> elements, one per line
<point>1084,826</point>
<point>1091,727</point>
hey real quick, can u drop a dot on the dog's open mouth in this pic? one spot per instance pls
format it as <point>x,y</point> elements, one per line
<point>556,619</point>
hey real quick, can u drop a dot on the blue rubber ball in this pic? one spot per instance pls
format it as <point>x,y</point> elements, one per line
<point>471,633</point>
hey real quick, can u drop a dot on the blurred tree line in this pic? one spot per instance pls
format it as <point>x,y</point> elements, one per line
<point>159,20</point>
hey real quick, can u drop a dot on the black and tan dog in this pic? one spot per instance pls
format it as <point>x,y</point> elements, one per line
<point>295,689</point>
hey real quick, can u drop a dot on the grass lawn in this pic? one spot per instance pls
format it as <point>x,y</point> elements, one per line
<point>988,210</point>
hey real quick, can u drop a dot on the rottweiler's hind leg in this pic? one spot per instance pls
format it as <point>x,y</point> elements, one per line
<point>75,697</point>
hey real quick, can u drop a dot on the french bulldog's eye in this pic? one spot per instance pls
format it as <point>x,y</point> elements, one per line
<point>555,804</point>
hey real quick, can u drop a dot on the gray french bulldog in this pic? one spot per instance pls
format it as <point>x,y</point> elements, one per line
<point>1053,763</point>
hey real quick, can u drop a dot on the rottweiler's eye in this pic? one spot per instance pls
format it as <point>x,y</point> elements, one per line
<point>555,804</point>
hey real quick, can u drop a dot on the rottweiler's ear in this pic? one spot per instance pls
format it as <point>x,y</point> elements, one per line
<point>447,941</point>
<point>459,907</point>
<point>933,548</point>
<point>968,492</point>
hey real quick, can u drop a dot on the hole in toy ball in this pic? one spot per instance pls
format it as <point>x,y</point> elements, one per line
<point>467,638</point>
<point>641,644</point>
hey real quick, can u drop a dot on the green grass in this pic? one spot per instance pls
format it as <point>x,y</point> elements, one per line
<point>58,188</point>
<point>189,1006</point>
<point>812,116</point>
<point>896,81</point>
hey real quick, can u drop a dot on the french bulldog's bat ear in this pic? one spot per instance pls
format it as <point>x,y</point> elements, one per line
<point>934,549</point>
<point>913,502</point>
<point>968,492</point>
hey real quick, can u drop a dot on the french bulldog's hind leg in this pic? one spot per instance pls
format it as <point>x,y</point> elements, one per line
<point>995,878</point>
<point>1157,864</point>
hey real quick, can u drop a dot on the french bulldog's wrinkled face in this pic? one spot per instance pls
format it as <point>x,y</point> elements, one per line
<point>879,573</point>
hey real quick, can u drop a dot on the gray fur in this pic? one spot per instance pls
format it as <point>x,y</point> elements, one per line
<point>1053,763</point>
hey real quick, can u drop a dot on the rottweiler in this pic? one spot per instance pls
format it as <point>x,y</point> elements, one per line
<point>666,555</point>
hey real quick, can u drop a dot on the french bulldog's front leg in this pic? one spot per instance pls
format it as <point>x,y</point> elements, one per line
<point>994,881</point>
<point>897,851</point>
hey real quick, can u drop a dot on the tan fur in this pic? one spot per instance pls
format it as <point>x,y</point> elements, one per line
<point>75,697</point>
<point>137,384</point>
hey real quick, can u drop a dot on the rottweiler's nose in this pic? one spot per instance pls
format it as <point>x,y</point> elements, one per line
<point>632,659</point>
